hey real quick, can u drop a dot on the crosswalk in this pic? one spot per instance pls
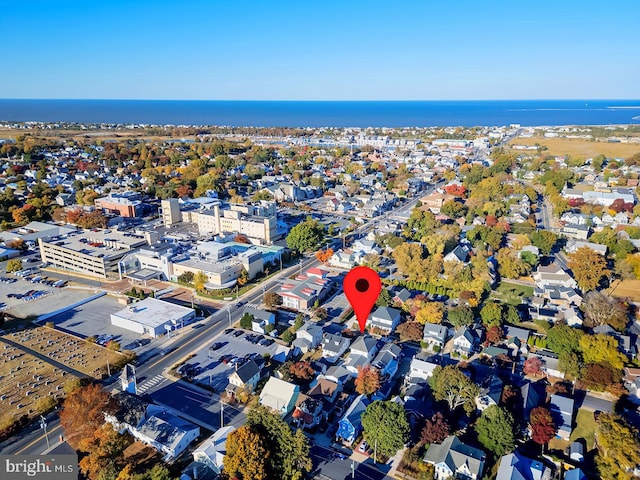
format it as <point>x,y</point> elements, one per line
<point>150,383</point>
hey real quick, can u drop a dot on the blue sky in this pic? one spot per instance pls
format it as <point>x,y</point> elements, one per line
<point>320,50</point>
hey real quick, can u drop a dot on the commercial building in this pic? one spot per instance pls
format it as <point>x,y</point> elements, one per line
<point>303,291</point>
<point>152,317</point>
<point>170,212</point>
<point>126,204</point>
<point>93,252</point>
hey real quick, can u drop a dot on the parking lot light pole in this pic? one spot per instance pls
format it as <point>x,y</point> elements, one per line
<point>353,469</point>
<point>43,425</point>
<point>229,312</point>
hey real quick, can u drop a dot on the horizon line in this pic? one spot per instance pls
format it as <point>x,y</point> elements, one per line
<point>324,100</point>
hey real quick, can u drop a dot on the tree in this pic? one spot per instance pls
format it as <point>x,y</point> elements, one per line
<point>104,453</point>
<point>564,339</point>
<point>83,414</point>
<point>533,366</point>
<point>186,277</point>
<point>247,455</point>
<point>460,316</point>
<point>323,256</point>
<point>542,425</point>
<point>510,266</point>
<point>410,331</point>
<point>199,281</point>
<point>435,429</point>
<point>618,447</point>
<point>14,265</point>
<point>491,314</point>
<point>240,238</point>
<point>589,268</point>
<point>287,336</point>
<point>246,321</point>
<point>494,334</point>
<point>601,309</point>
<point>495,429</point>
<point>451,385</point>
<point>544,240</point>
<point>305,236</point>
<point>272,299</point>
<point>302,370</point>
<point>602,348</point>
<point>288,452</point>
<point>385,425</point>
<point>243,278</point>
<point>431,312</point>
<point>384,299</point>
<point>368,380</point>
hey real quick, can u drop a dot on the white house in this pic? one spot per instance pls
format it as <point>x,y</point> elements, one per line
<point>167,433</point>
<point>420,371</point>
<point>385,319</point>
<point>308,337</point>
<point>454,459</point>
<point>211,452</point>
<point>333,346</point>
<point>553,275</point>
<point>279,396</point>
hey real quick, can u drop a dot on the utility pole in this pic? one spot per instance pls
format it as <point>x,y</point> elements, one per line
<point>43,425</point>
<point>229,312</point>
<point>280,261</point>
<point>375,451</point>
<point>108,368</point>
<point>221,413</point>
<point>353,470</point>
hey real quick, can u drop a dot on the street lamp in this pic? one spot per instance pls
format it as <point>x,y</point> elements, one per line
<point>43,425</point>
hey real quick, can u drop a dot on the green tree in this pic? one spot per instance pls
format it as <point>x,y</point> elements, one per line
<point>385,425</point>
<point>544,240</point>
<point>14,265</point>
<point>246,321</point>
<point>451,385</point>
<point>589,268</point>
<point>384,299</point>
<point>602,348</point>
<point>564,339</point>
<point>460,316</point>
<point>491,314</point>
<point>495,429</point>
<point>618,447</point>
<point>287,336</point>
<point>305,236</point>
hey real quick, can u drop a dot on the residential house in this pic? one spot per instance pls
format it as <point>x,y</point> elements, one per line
<point>573,245</point>
<point>515,466</point>
<point>346,259</point>
<point>562,408</point>
<point>168,434</point>
<point>385,319</point>
<point>261,319</point>
<point>279,396</point>
<point>533,395</point>
<point>387,360</point>
<point>337,374</point>
<point>326,391</point>
<point>454,459</point>
<point>578,232</point>
<point>309,412</point>
<point>350,425</point>
<point>460,254</point>
<point>435,336</point>
<point>420,370</point>
<point>490,394</point>
<point>575,474</point>
<point>402,296</point>
<point>302,292</point>
<point>308,337</point>
<point>210,453</point>
<point>466,341</point>
<point>333,346</point>
<point>245,377</point>
<point>553,275</point>
<point>363,349</point>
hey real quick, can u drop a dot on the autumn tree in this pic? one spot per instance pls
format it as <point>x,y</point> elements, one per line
<point>272,299</point>
<point>601,309</point>
<point>199,281</point>
<point>430,312</point>
<point>302,370</point>
<point>589,268</point>
<point>385,424</point>
<point>104,450</point>
<point>14,265</point>
<point>323,256</point>
<point>243,278</point>
<point>494,334</point>
<point>603,349</point>
<point>541,424</point>
<point>618,447</point>
<point>368,380</point>
<point>83,414</point>
<point>435,429</point>
<point>410,331</point>
<point>454,387</point>
<point>533,366</point>
<point>495,429</point>
<point>247,455</point>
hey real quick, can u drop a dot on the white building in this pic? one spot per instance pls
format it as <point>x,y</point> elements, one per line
<point>152,317</point>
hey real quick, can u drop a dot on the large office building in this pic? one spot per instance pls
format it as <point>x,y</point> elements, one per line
<point>92,252</point>
<point>151,317</point>
<point>126,204</point>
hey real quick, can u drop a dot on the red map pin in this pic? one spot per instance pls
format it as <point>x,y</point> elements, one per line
<point>362,287</point>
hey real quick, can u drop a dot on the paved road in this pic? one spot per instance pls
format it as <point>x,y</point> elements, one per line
<point>328,465</point>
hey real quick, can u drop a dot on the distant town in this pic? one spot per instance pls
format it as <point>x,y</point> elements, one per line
<point>171,301</point>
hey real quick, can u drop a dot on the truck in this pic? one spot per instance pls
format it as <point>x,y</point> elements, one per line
<point>59,283</point>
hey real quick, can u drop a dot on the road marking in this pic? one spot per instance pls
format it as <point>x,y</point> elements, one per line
<point>39,439</point>
<point>152,382</point>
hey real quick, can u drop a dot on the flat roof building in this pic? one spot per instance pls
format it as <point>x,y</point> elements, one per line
<point>152,317</point>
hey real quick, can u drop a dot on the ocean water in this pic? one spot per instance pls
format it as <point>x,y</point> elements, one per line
<point>326,113</point>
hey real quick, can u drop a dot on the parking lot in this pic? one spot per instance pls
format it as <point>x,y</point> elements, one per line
<point>212,368</point>
<point>93,318</point>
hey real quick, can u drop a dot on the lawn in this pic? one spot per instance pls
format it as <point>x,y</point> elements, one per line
<point>626,289</point>
<point>512,293</point>
<point>585,427</point>
<point>580,147</point>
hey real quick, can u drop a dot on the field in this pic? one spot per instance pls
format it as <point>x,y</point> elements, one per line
<point>580,148</point>
<point>626,289</point>
<point>585,427</point>
<point>27,380</point>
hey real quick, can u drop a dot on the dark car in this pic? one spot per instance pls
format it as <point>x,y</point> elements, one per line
<point>228,331</point>
<point>238,333</point>
<point>269,342</point>
<point>216,346</point>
